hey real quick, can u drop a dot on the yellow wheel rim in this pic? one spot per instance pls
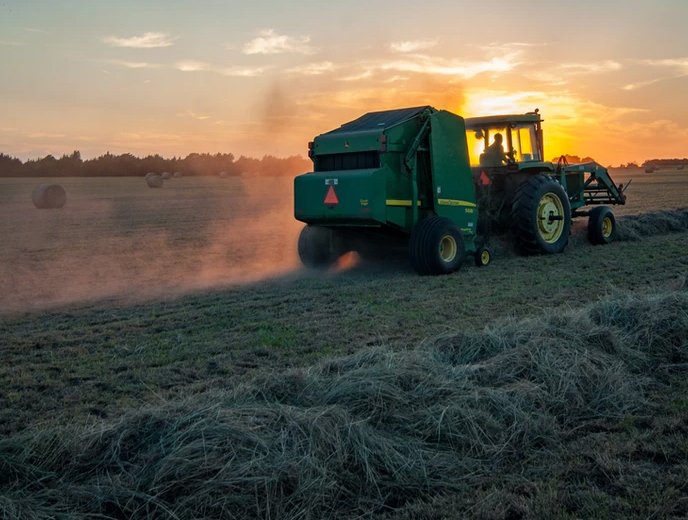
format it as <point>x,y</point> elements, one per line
<point>485,257</point>
<point>448,248</point>
<point>550,217</point>
<point>607,227</point>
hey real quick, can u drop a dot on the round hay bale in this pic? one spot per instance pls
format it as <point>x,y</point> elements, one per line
<point>177,174</point>
<point>49,196</point>
<point>166,175</point>
<point>154,181</point>
<point>222,174</point>
<point>649,169</point>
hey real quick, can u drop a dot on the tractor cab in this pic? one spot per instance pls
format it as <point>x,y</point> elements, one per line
<point>496,141</point>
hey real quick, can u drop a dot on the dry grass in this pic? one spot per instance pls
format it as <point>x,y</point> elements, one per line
<point>371,433</point>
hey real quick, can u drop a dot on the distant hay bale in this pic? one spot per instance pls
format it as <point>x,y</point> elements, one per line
<point>154,181</point>
<point>49,196</point>
<point>680,166</point>
<point>177,174</point>
<point>222,174</point>
<point>649,169</point>
<point>166,175</point>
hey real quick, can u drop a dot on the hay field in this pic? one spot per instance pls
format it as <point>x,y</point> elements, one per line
<point>543,387</point>
<point>117,237</point>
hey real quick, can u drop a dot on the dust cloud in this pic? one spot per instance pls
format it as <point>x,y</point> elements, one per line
<point>117,239</point>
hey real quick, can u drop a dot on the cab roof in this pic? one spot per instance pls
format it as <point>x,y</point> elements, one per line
<point>530,117</point>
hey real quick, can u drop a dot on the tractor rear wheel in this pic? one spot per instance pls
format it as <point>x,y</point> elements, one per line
<point>436,246</point>
<point>319,247</point>
<point>540,216</point>
<point>601,225</point>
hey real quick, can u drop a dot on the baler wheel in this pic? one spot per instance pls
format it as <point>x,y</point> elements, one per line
<point>483,256</point>
<point>436,246</point>
<point>601,225</point>
<point>540,216</point>
<point>319,247</point>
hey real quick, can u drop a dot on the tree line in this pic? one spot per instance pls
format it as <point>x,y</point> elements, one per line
<point>126,165</point>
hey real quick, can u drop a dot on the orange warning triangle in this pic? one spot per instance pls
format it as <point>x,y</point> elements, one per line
<point>485,178</point>
<point>331,198</point>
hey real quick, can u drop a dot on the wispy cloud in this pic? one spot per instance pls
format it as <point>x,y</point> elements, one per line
<point>136,64</point>
<point>591,67</point>
<point>412,45</point>
<point>313,69</point>
<point>193,115</point>
<point>679,67</point>
<point>201,66</point>
<point>680,64</point>
<point>148,40</point>
<point>269,42</point>
<point>10,43</point>
<point>440,66</point>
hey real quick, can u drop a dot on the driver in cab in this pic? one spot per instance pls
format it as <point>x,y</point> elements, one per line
<point>494,154</point>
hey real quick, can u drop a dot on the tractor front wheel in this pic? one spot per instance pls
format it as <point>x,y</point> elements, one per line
<point>436,246</point>
<point>319,247</point>
<point>601,225</point>
<point>540,216</point>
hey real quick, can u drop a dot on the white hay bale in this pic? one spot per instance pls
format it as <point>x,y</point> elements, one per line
<point>154,181</point>
<point>166,175</point>
<point>49,196</point>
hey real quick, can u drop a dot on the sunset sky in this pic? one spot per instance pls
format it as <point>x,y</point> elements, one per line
<point>263,77</point>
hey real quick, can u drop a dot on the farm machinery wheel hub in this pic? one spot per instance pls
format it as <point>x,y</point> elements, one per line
<point>448,248</point>
<point>550,218</point>
<point>607,227</point>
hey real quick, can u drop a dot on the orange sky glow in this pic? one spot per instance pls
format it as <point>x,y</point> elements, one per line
<point>264,77</point>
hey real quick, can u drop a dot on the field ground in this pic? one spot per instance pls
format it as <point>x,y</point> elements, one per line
<point>180,294</point>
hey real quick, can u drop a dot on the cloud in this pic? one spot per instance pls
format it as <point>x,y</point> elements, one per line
<point>269,42</point>
<point>412,45</point>
<point>313,69</point>
<point>10,43</point>
<point>193,115</point>
<point>465,69</point>
<point>148,40</point>
<point>679,66</point>
<point>201,66</point>
<point>590,68</point>
<point>135,64</point>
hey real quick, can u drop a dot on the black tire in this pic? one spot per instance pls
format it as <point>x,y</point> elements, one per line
<point>540,216</point>
<point>483,256</point>
<point>319,247</point>
<point>601,225</point>
<point>436,246</point>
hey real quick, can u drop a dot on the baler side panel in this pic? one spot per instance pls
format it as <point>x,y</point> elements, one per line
<point>452,180</point>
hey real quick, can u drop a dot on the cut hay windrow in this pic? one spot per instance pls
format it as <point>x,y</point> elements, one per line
<point>635,227</point>
<point>365,434</point>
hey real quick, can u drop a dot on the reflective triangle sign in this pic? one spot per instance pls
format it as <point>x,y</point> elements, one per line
<point>331,198</point>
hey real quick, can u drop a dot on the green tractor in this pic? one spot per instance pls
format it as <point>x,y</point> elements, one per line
<point>446,185</point>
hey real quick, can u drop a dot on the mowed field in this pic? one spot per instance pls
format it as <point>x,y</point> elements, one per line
<point>160,344</point>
